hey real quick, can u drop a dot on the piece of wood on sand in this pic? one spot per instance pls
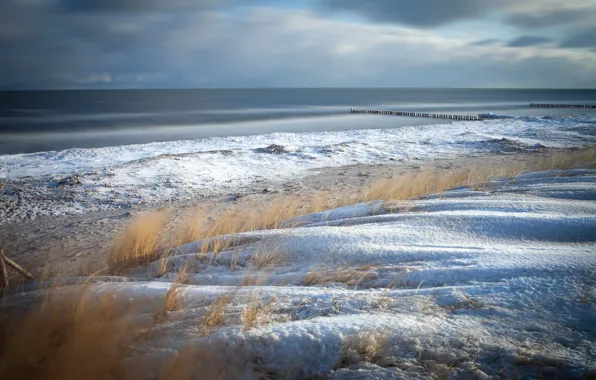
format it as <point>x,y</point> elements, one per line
<point>4,260</point>
<point>3,273</point>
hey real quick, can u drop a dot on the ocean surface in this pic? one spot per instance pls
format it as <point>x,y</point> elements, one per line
<point>73,152</point>
<point>36,121</point>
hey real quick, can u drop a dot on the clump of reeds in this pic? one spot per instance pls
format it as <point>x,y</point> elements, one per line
<point>136,244</point>
<point>215,316</point>
<point>364,346</point>
<point>426,181</point>
<point>255,312</point>
<point>75,334</point>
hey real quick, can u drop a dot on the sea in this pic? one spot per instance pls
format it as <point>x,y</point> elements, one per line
<point>39,121</point>
<point>72,152</point>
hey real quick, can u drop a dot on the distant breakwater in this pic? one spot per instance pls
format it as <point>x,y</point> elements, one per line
<point>421,114</point>
<point>547,105</point>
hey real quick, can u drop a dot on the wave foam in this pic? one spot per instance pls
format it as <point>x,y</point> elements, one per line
<point>165,171</point>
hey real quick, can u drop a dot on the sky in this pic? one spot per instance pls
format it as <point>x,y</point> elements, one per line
<point>72,44</point>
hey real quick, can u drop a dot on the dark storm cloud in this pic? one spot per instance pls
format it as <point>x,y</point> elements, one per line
<point>134,43</point>
<point>136,5</point>
<point>43,47</point>
<point>525,41</point>
<point>550,19</point>
<point>583,39</point>
<point>422,13</point>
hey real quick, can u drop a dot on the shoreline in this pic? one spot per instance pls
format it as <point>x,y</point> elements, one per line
<point>73,244</point>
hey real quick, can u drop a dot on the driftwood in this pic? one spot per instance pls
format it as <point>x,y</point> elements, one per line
<point>3,273</point>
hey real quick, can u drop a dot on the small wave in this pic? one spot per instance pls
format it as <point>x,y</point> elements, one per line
<point>491,115</point>
<point>505,145</point>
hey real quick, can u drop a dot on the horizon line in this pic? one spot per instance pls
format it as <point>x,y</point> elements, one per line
<point>291,88</point>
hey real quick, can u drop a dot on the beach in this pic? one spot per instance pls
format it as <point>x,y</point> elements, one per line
<point>459,249</point>
<point>76,244</point>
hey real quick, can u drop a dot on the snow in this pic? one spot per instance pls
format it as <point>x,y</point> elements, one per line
<point>124,176</point>
<point>470,282</point>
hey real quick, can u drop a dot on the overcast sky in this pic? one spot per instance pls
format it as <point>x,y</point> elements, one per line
<point>48,44</point>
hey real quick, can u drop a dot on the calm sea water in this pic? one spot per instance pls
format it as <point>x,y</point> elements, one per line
<point>33,121</point>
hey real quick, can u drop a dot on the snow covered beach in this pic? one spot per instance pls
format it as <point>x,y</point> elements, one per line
<point>471,283</point>
<point>471,274</point>
<point>77,181</point>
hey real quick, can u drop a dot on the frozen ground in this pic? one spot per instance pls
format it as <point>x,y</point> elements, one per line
<point>498,282</point>
<point>77,181</point>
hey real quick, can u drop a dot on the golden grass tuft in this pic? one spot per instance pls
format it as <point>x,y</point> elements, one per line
<point>215,316</point>
<point>193,227</point>
<point>77,333</point>
<point>364,346</point>
<point>171,302</point>
<point>426,181</point>
<point>214,361</point>
<point>412,185</point>
<point>182,275</point>
<point>163,264</point>
<point>566,160</point>
<point>344,275</point>
<point>172,299</point>
<point>73,334</point>
<point>265,256</point>
<point>255,312</point>
<point>136,245</point>
<point>235,220</point>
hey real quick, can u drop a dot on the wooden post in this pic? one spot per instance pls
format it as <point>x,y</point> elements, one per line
<point>3,273</point>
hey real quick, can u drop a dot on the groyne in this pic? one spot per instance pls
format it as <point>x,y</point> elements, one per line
<point>550,105</point>
<point>421,114</point>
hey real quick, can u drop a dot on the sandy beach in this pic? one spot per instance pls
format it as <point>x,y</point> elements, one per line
<point>491,279</point>
<point>77,244</point>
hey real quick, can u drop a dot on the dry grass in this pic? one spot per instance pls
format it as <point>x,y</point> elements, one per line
<point>426,181</point>
<point>214,246</point>
<point>234,263</point>
<point>276,213</point>
<point>163,264</point>
<point>237,219</point>
<point>192,227</point>
<point>170,303</point>
<point>212,362</point>
<point>413,185</point>
<point>363,346</point>
<point>47,273</point>
<point>215,316</point>
<point>74,335</point>
<point>567,160</point>
<point>265,256</point>
<point>250,279</point>
<point>182,275</point>
<point>79,334</point>
<point>349,276</point>
<point>255,312</point>
<point>382,301</point>
<point>136,245</point>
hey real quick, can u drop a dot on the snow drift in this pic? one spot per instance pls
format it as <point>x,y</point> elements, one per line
<point>470,284</point>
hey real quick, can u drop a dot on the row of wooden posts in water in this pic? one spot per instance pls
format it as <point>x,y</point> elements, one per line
<point>421,114</point>
<point>543,105</point>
